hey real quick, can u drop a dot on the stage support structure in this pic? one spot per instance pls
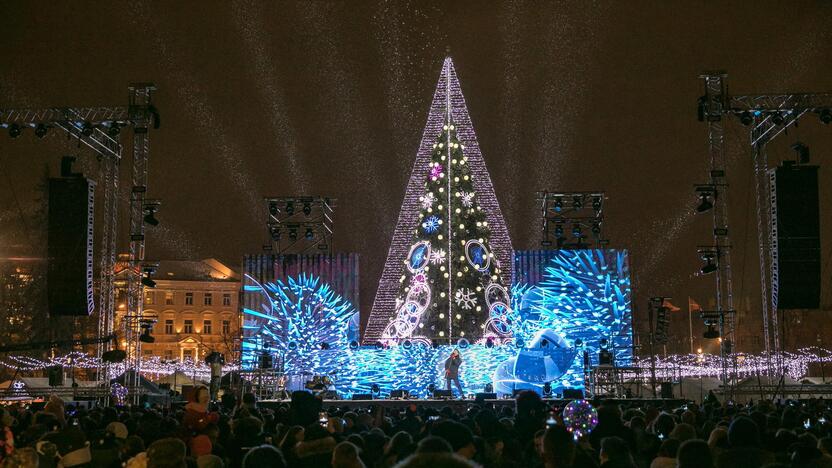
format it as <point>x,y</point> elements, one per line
<point>567,216</point>
<point>767,116</point>
<point>300,224</point>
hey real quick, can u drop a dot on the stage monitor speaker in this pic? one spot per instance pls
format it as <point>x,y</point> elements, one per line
<point>399,394</point>
<point>798,236</point>
<point>667,390</point>
<point>362,396</point>
<point>438,394</point>
<point>69,272</point>
<point>573,394</point>
<point>485,396</point>
<point>55,375</point>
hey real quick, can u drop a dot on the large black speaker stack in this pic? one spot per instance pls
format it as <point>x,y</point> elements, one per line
<point>70,246</point>
<point>798,236</point>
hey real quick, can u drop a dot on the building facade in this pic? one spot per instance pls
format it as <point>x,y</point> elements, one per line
<point>196,307</point>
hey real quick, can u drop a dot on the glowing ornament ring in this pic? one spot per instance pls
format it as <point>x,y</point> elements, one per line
<point>469,246</point>
<point>418,257</point>
<point>499,294</point>
<point>419,294</point>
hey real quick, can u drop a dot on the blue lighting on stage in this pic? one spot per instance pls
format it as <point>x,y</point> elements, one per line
<point>580,297</point>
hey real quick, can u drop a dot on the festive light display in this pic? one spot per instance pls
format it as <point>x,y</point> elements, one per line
<point>464,160</point>
<point>580,418</point>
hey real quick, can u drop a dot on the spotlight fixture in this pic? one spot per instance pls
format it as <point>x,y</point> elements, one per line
<point>293,234</point>
<point>375,388</point>
<point>825,116</point>
<point>576,230</point>
<point>307,209</point>
<point>558,205</point>
<point>559,231</point>
<point>310,234</point>
<point>777,118</point>
<point>577,202</point>
<point>148,282</point>
<point>273,208</point>
<point>86,129</point>
<point>596,203</point>
<point>547,389</point>
<point>114,129</point>
<point>150,215</point>
<point>114,356</point>
<point>353,345</point>
<point>379,345</point>
<point>290,208</point>
<point>710,256</point>
<point>146,337</point>
<point>711,333</point>
<point>293,345</point>
<point>40,130</point>
<point>596,229</point>
<point>14,130</point>
<point>708,267</point>
<point>579,342</point>
<point>324,345</point>
<point>431,388</point>
<point>274,231</point>
<point>746,118</point>
<point>407,344</point>
<point>705,203</point>
<point>462,343</point>
<point>489,388</point>
<point>603,343</point>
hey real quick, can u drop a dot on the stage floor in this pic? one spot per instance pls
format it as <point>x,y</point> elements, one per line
<point>460,405</point>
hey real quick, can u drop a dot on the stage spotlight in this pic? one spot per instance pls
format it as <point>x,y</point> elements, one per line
<point>711,333</point>
<point>547,389</point>
<point>704,202</point>
<point>826,116</point>
<point>148,282</point>
<point>489,388</point>
<point>375,388</point>
<point>14,130</point>
<point>307,209</point>
<point>146,337</point>
<point>310,234</point>
<point>353,345</point>
<point>462,343</point>
<point>559,231</point>
<point>273,208</point>
<point>746,118</point>
<point>777,118</point>
<point>290,208</point>
<point>274,231</point>
<point>579,342</point>
<point>324,345</point>
<point>489,343</point>
<point>596,229</point>
<point>577,202</point>
<point>576,231</point>
<point>407,344</point>
<point>114,129</point>
<point>86,129</point>
<point>558,205</point>
<point>709,266</point>
<point>292,345</point>
<point>603,343</point>
<point>150,215</point>
<point>293,234</point>
<point>379,345</point>
<point>596,203</point>
<point>40,130</point>
<point>114,356</point>
<point>519,343</point>
<point>431,389</point>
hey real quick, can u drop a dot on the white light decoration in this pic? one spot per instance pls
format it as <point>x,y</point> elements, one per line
<point>465,298</point>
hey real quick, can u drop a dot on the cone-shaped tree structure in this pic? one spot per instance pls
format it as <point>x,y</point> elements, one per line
<point>449,264</point>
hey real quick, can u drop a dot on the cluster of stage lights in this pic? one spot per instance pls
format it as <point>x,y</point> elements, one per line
<point>779,117</point>
<point>289,211</point>
<point>576,203</point>
<point>86,128</point>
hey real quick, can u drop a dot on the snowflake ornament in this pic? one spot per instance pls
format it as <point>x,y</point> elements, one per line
<point>436,172</point>
<point>431,224</point>
<point>465,298</point>
<point>467,199</point>
<point>437,256</point>
<point>428,200</point>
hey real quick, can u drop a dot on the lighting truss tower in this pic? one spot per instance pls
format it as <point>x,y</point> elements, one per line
<point>571,218</point>
<point>99,128</point>
<point>448,104</point>
<point>300,224</point>
<point>767,116</point>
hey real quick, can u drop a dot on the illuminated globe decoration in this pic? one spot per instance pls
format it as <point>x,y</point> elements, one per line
<point>449,200</point>
<point>580,418</point>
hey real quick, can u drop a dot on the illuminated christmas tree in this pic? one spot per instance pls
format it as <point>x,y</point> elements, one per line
<point>444,278</point>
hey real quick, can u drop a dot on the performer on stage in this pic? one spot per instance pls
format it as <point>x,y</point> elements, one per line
<point>452,371</point>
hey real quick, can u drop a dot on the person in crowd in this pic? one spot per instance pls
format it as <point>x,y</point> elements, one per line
<point>694,453</point>
<point>346,455</point>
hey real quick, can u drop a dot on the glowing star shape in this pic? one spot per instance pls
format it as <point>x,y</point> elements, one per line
<point>428,200</point>
<point>437,256</point>
<point>431,225</point>
<point>465,298</point>
<point>467,199</point>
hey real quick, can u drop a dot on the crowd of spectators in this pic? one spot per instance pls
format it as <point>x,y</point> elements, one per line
<point>305,433</point>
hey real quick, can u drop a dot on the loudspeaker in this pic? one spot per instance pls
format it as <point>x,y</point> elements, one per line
<point>69,272</point>
<point>604,357</point>
<point>573,394</point>
<point>362,396</point>
<point>55,375</point>
<point>443,394</point>
<point>667,390</point>
<point>485,396</point>
<point>399,394</point>
<point>798,236</point>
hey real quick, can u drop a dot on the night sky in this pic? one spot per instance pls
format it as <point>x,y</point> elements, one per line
<point>276,98</point>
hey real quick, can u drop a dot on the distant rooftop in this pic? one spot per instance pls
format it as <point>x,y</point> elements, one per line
<point>209,269</point>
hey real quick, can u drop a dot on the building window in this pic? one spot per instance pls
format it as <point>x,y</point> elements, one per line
<point>206,327</point>
<point>207,300</point>
<point>168,298</point>
<point>148,352</point>
<point>189,326</point>
<point>168,327</point>
<point>148,298</point>
<point>169,354</point>
<point>188,353</point>
<point>226,327</point>
<point>189,298</point>
<point>226,299</point>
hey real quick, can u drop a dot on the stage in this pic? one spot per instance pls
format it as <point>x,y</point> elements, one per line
<point>459,406</point>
